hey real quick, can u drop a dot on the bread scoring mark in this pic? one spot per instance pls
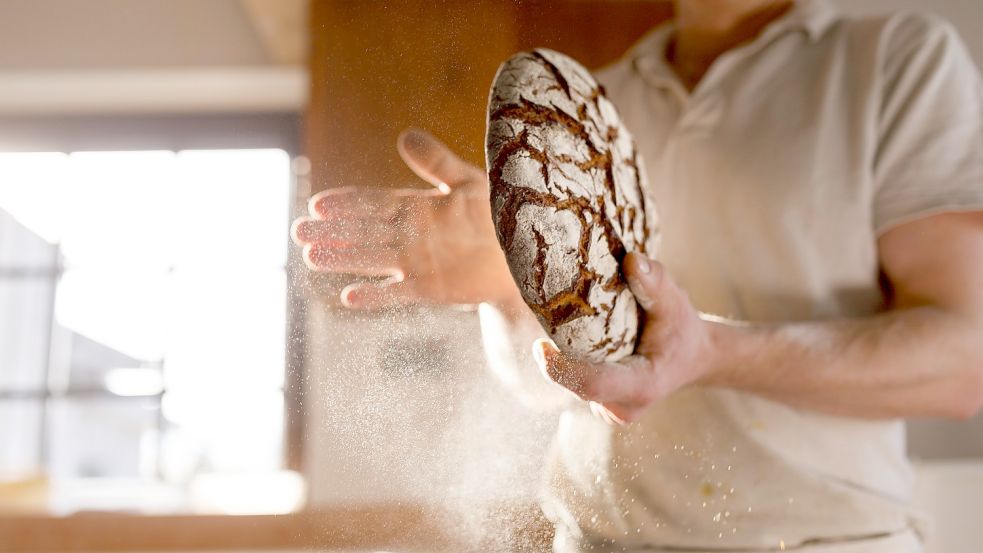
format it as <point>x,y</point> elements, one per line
<point>539,263</point>
<point>555,71</point>
<point>535,114</point>
<point>572,302</point>
<point>609,345</point>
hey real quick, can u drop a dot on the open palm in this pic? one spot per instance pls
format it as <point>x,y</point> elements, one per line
<point>437,245</point>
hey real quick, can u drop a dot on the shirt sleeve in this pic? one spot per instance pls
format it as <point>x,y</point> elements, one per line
<point>929,156</point>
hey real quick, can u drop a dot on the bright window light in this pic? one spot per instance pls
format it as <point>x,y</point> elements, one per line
<point>163,276</point>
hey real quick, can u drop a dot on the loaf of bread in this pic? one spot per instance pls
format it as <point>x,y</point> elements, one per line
<point>568,201</point>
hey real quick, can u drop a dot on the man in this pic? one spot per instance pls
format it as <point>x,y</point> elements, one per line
<point>818,179</point>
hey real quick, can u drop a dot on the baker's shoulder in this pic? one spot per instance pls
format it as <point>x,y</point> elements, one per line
<point>895,43</point>
<point>901,31</point>
<point>910,23</point>
<point>923,40</point>
<point>918,27</point>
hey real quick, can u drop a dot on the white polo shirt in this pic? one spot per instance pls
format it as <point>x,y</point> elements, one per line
<point>773,180</point>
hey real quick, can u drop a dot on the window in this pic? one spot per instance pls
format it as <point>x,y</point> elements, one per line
<point>143,324</point>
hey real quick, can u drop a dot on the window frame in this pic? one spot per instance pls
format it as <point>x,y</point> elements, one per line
<point>176,132</point>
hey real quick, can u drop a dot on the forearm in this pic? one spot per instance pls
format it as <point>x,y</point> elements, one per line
<point>923,361</point>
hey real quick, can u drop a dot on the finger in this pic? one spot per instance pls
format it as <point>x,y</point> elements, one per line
<point>434,162</point>
<point>653,288</point>
<point>361,261</point>
<point>616,414</point>
<point>622,413</point>
<point>329,198</point>
<point>600,412</point>
<point>624,382</point>
<point>377,204</point>
<point>379,295</point>
<point>294,232</point>
<point>341,232</point>
<point>352,200</point>
<point>556,367</point>
<point>645,278</point>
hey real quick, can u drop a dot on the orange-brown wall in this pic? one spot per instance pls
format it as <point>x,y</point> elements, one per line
<point>378,66</point>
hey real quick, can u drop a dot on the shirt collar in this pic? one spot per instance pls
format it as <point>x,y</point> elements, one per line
<point>813,17</point>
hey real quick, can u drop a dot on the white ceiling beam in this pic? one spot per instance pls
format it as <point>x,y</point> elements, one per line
<point>213,90</point>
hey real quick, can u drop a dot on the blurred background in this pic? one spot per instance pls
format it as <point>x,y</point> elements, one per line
<point>172,378</point>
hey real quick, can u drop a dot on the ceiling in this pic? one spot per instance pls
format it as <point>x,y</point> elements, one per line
<point>192,56</point>
<point>95,56</point>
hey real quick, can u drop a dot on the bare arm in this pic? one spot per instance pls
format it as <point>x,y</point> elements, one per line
<point>923,357</point>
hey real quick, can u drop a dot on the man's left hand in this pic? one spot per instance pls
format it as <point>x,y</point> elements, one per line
<point>675,349</point>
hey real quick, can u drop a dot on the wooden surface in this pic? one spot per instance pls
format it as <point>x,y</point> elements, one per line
<point>383,65</point>
<point>370,527</point>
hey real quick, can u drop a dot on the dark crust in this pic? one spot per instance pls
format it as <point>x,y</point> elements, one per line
<point>574,301</point>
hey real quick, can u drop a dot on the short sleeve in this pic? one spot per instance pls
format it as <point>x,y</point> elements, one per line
<point>929,155</point>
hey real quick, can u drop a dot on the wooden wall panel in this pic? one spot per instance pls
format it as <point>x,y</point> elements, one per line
<point>595,32</point>
<point>378,66</point>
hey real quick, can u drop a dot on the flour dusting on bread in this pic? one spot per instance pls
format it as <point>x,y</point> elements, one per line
<point>568,201</point>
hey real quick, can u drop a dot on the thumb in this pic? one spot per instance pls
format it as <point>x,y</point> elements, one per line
<point>434,162</point>
<point>648,281</point>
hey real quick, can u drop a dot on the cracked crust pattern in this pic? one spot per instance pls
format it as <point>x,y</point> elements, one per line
<point>567,199</point>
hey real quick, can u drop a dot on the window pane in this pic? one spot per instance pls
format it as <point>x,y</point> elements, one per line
<point>131,278</point>
<point>228,329</point>
<point>115,319</point>
<point>22,248</point>
<point>99,437</point>
<point>237,429</point>
<point>20,436</point>
<point>240,211</point>
<point>25,313</point>
<point>32,190</point>
<point>122,209</point>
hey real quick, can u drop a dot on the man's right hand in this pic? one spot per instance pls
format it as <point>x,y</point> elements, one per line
<point>437,245</point>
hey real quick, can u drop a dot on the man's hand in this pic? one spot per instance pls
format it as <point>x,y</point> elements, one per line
<point>437,245</point>
<point>674,350</point>
<point>921,357</point>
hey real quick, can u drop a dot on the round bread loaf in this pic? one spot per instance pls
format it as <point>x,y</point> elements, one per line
<point>568,201</point>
